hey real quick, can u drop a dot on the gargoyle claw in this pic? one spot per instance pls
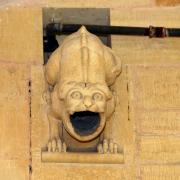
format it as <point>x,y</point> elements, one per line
<point>56,146</point>
<point>107,146</point>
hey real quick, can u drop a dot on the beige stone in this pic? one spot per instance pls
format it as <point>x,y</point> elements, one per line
<point>151,149</point>
<point>146,121</point>
<point>154,108</point>
<point>168,2</point>
<point>164,122</point>
<point>159,149</point>
<point>155,51</point>
<point>14,170</point>
<point>21,35</point>
<point>146,16</point>
<point>79,172</point>
<point>123,124</point>
<point>81,94</point>
<point>68,171</point>
<point>39,129</point>
<point>159,87</point>
<point>87,158</point>
<point>81,3</point>
<point>14,122</point>
<point>159,172</point>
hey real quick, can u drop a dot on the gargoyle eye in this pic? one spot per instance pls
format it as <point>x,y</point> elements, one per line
<point>76,95</point>
<point>97,97</point>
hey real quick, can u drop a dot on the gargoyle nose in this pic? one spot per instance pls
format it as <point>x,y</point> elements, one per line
<point>87,101</point>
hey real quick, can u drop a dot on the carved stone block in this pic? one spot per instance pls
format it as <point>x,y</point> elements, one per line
<point>86,168</point>
<point>154,100</point>
<point>158,122</point>
<point>80,74</point>
<point>157,149</point>
<point>156,87</point>
<point>18,25</point>
<point>160,172</point>
<point>14,122</point>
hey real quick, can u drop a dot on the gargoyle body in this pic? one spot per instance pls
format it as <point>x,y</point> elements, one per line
<point>81,72</point>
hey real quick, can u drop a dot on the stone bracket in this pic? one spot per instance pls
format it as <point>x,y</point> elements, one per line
<point>88,158</point>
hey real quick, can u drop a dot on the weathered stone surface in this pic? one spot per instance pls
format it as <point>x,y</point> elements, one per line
<point>123,124</point>
<point>147,51</point>
<point>159,149</point>
<point>82,158</point>
<point>159,172</point>
<point>146,16</point>
<point>148,108</point>
<point>167,2</point>
<point>14,122</point>
<point>78,172</point>
<point>66,171</point>
<point>155,99</point>
<point>39,132</point>
<point>82,101</point>
<point>164,122</point>
<point>81,3</point>
<point>21,35</point>
<point>155,107</point>
<point>14,170</point>
<point>156,87</point>
<point>144,50</point>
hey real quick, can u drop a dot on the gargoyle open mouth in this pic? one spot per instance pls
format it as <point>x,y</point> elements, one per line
<point>85,122</point>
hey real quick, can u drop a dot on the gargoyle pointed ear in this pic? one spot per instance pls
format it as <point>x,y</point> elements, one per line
<point>117,69</point>
<point>112,65</point>
<point>52,67</point>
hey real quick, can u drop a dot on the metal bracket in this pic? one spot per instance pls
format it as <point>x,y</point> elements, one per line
<point>157,32</point>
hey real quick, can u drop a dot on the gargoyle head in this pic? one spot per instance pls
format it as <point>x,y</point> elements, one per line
<point>83,69</point>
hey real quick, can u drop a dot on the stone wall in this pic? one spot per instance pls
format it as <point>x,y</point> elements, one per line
<point>148,88</point>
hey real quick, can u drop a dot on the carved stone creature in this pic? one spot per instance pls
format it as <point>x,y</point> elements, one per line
<point>80,73</point>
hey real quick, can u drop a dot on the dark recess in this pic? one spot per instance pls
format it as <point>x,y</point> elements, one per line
<point>85,122</point>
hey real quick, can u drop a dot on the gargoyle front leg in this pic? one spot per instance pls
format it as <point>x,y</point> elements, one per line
<point>107,145</point>
<point>55,143</point>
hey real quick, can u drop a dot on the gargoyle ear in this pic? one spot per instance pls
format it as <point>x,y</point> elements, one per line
<point>52,67</point>
<point>112,65</point>
<point>116,70</point>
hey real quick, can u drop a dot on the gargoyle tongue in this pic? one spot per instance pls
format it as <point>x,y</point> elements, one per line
<point>85,122</point>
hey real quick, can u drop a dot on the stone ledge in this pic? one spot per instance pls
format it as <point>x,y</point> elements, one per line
<point>82,158</point>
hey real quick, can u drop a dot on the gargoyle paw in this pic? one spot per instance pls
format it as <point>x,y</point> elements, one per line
<point>56,146</point>
<point>107,146</point>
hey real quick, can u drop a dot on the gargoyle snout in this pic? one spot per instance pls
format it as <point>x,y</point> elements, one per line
<point>88,101</point>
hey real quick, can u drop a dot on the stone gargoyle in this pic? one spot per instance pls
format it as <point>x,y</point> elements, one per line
<point>79,75</point>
